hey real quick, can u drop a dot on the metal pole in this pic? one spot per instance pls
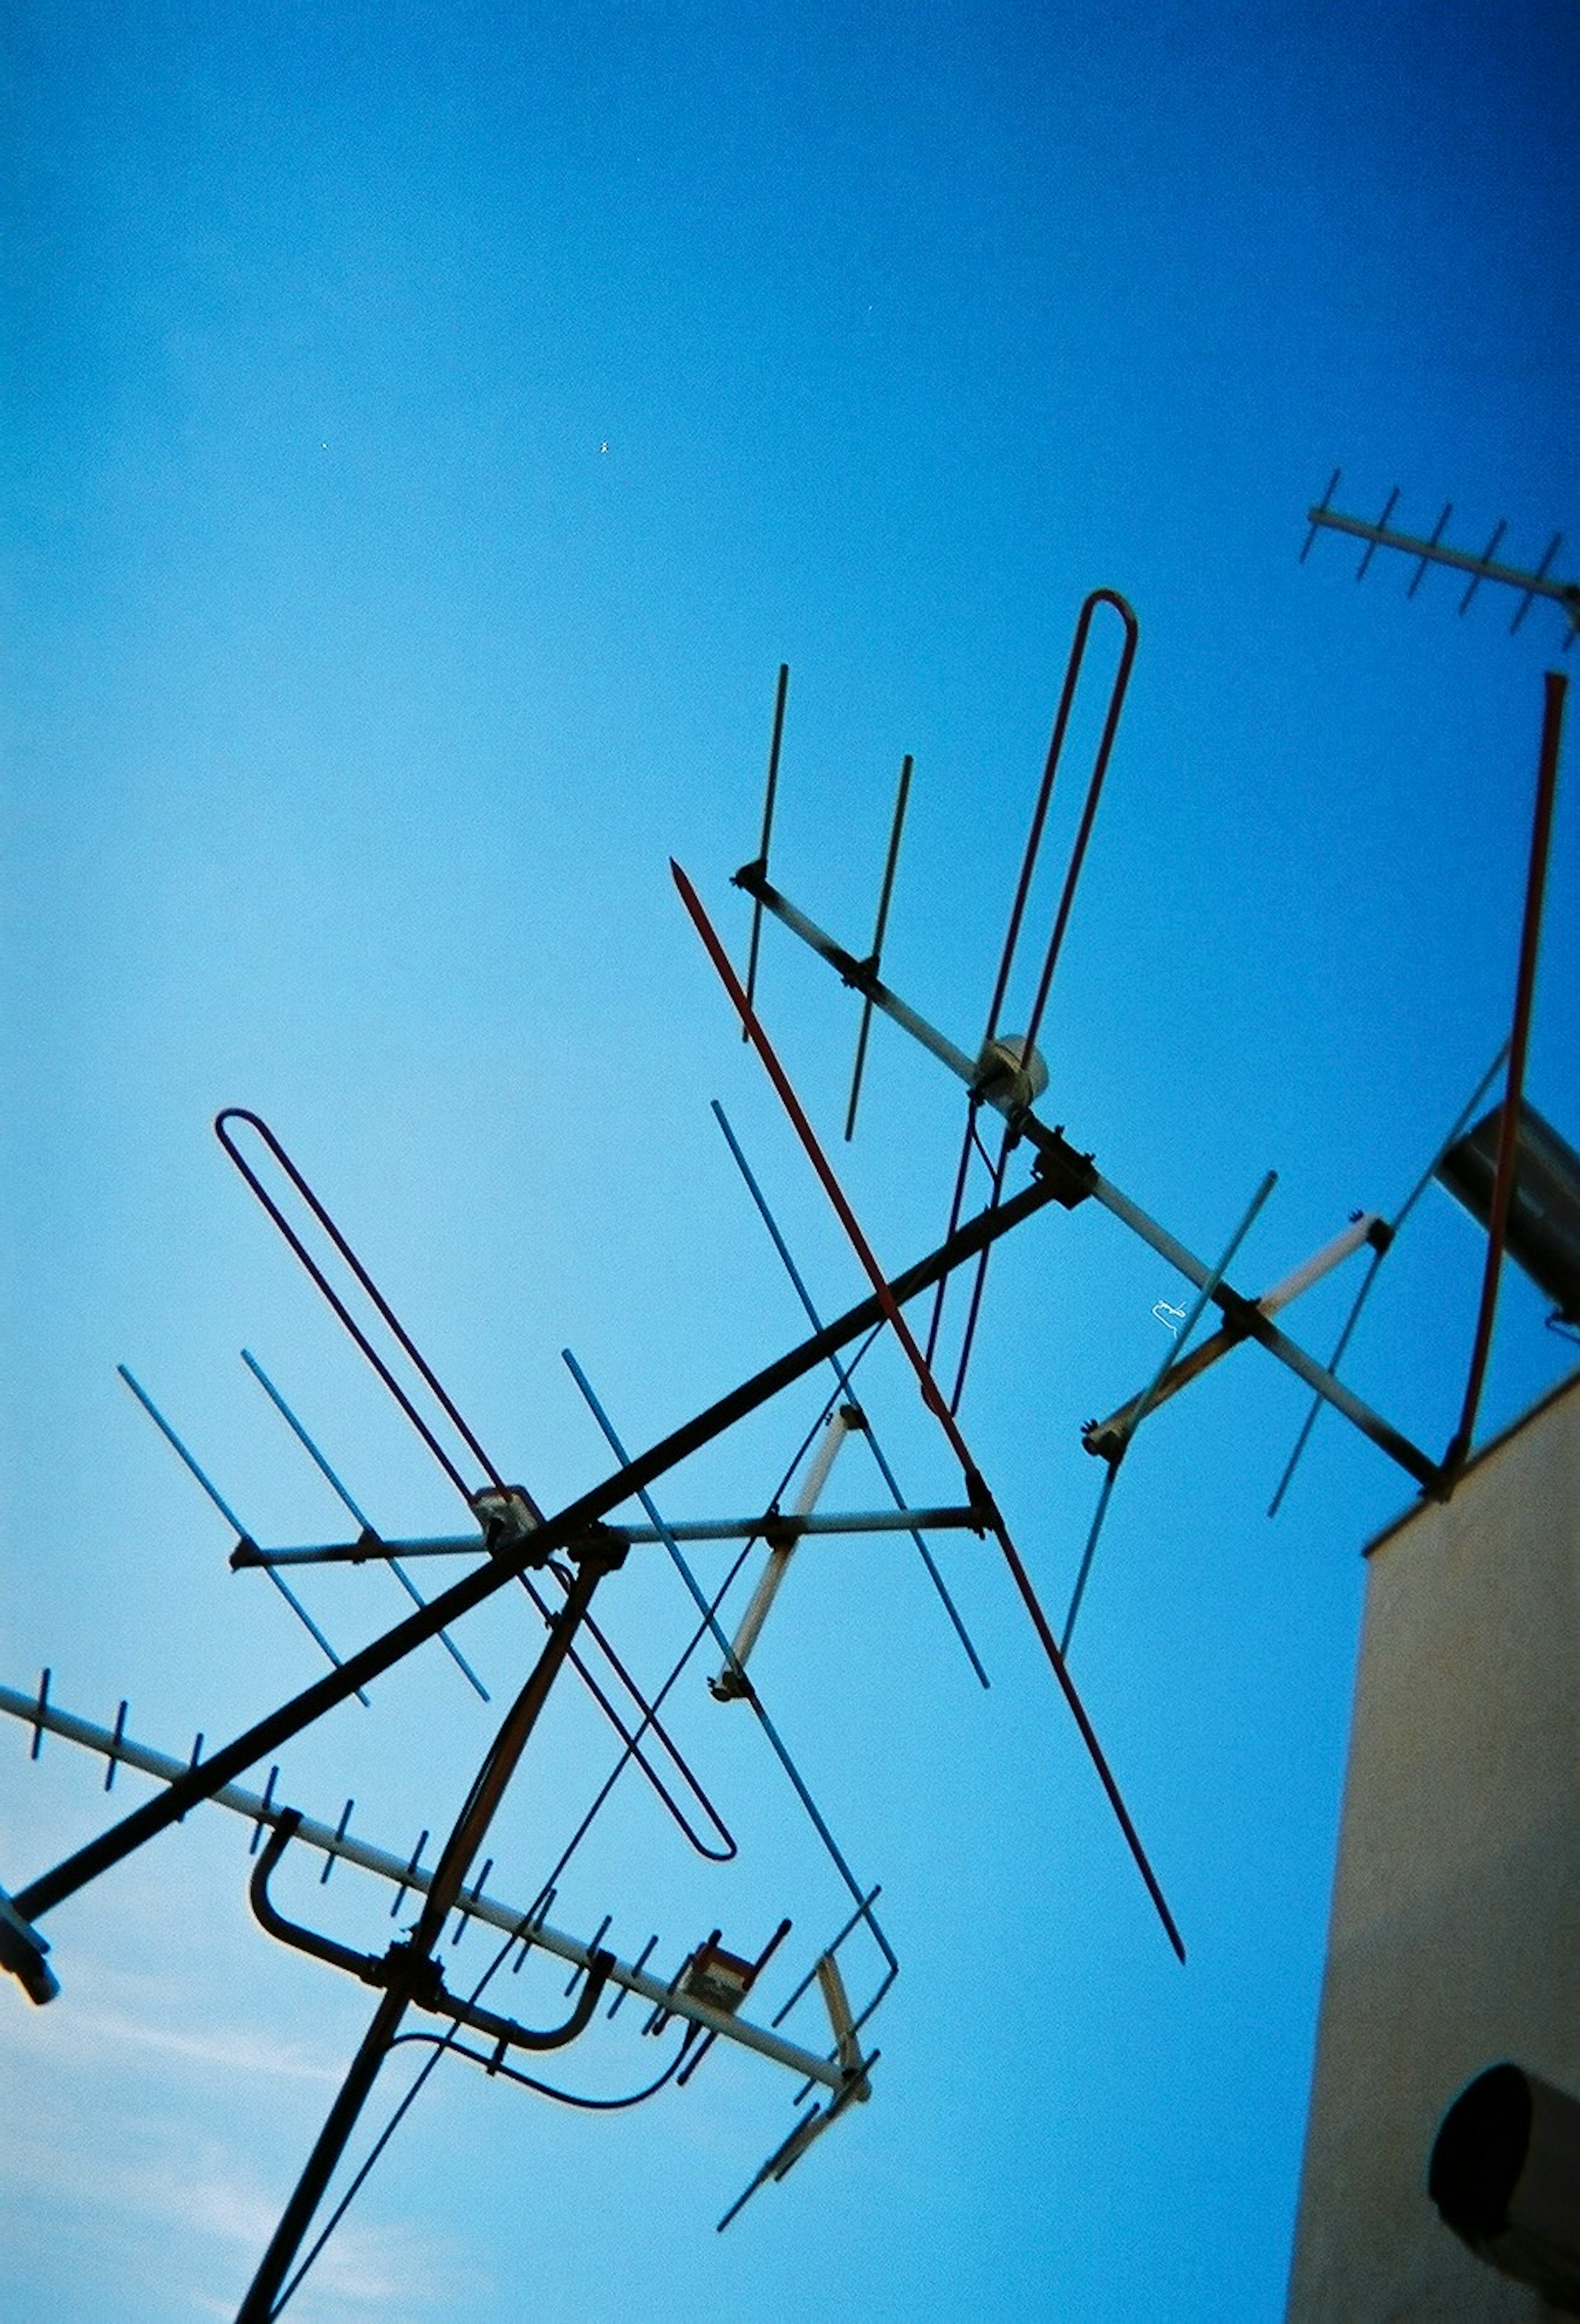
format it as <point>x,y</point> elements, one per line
<point>953,1518</point>
<point>406,1964</point>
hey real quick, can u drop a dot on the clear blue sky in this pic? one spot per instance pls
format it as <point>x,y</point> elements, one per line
<point>428,430</point>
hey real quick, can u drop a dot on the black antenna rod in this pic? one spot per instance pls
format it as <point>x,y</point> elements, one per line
<point>875,957</point>
<point>1072,669</point>
<point>762,854</point>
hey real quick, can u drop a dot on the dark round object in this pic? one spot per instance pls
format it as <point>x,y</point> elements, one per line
<point>1480,2152</point>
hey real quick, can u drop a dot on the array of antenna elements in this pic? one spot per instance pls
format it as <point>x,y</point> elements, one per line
<point>561,1560</point>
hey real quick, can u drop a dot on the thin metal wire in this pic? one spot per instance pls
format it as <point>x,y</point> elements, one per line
<point>649,1719</point>
<point>336,1486</point>
<point>843,1374</point>
<point>1177,1349</point>
<point>956,1206</point>
<point>980,1274</point>
<point>231,1518</point>
<point>629,1752</point>
<point>700,1632</point>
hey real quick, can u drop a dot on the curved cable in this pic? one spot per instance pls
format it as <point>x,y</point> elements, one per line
<point>547,2089</point>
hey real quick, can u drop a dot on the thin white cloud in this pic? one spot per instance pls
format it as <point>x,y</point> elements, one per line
<point>229,2049</point>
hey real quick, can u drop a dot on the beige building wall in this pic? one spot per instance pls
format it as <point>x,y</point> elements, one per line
<point>1455,1937</point>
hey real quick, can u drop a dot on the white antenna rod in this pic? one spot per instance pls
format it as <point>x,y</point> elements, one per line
<point>730,1685</point>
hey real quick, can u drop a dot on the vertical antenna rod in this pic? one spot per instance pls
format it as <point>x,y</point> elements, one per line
<point>1072,671</point>
<point>1554,688</point>
<point>762,855</point>
<point>876,955</point>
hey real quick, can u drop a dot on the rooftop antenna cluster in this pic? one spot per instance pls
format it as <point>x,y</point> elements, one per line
<point>561,1559</point>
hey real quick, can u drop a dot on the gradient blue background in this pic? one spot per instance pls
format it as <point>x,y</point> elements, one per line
<point>357,696</point>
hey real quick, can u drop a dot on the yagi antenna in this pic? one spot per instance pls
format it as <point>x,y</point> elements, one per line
<point>580,1547</point>
<point>1537,582</point>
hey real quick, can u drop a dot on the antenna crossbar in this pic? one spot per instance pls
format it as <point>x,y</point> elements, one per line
<point>1079,1178</point>
<point>1531,583</point>
<point>950,1518</point>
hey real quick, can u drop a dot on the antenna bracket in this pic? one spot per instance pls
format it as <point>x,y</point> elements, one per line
<point>507,1517</point>
<point>1069,1176</point>
<point>603,1546</point>
<point>22,1950</point>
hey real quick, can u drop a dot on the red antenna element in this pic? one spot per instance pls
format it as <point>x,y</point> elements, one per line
<point>931,1395</point>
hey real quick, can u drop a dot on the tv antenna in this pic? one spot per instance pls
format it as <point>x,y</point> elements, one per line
<point>1538,581</point>
<point>563,1559</point>
<point>1008,1074</point>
